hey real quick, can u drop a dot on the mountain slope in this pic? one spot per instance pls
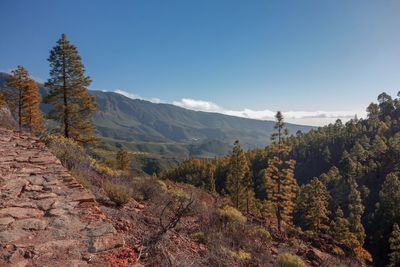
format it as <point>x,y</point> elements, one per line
<point>170,130</point>
<point>123,118</point>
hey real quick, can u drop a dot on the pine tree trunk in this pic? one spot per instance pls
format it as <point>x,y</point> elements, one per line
<point>20,109</point>
<point>66,126</point>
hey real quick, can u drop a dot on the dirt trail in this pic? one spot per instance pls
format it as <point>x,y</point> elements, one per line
<point>46,217</point>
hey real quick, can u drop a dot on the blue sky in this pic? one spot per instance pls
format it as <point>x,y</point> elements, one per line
<point>314,60</point>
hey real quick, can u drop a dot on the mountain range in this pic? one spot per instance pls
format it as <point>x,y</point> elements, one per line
<point>165,129</point>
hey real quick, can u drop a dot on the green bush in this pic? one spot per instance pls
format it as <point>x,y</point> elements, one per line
<point>290,260</point>
<point>230,216</point>
<point>118,194</point>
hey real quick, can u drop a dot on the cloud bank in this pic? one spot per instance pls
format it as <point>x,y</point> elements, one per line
<point>315,118</point>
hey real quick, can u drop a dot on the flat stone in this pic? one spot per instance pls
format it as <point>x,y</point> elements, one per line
<point>100,229</point>
<point>6,220</point>
<point>30,224</point>
<point>22,204</point>
<point>56,212</point>
<point>82,197</point>
<point>11,236</point>
<point>21,213</point>
<point>77,263</point>
<point>42,159</point>
<point>45,195</point>
<point>14,184</point>
<point>34,188</point>
<point>35,180</point>
<point>46,204</point>
<point>106,242</point>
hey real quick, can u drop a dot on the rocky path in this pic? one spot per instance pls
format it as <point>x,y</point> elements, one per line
<point>46,217</point>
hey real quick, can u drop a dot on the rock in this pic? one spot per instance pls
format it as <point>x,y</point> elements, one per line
<point>6,220</point>
<point>82,197</point>
<point>33,188</point>
<point>45,195</point>
<point>99,230</point>
<point>77,263</point>
<point>22,204</point>
<point>21,213</point>
<point>30,224</point>
<point>46,204</point>
<point>106,242</point>
<point>35,180</point>
<point>11,236</point>
<point>56,212</point>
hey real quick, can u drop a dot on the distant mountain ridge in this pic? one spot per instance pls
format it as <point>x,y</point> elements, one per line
<point>139,124</point>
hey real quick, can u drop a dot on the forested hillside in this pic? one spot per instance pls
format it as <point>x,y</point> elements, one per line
<point>347,175</point>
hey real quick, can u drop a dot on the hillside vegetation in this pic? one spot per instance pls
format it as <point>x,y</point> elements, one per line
<point>348,176</point>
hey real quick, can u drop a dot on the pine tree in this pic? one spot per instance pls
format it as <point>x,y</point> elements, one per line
<point>18,82</point>
<point>122,158</point>
<point>31,115</point>
<point>72,107</point>
<point>238,179</point>
<point>280,185</point>
<point>340,228</point>
<point>389,199</point>
<point>356,210</point>
<point>394,244</point>
<point>312,206</point>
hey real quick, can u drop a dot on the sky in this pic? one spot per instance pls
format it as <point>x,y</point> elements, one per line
<point>314,60</point>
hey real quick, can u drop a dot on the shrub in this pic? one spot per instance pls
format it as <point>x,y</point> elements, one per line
<point>117,193</point>
<point>290,260</point>
<point>82,176</point>
<point>262,233</point>
<point>200,237</point>
<point>243,255</point>
<point>67,151</point>
<point>240,255</point>
<point>147,188</point>
<point>104,169</point>
<point>297,244</point>
<point>229,216</point>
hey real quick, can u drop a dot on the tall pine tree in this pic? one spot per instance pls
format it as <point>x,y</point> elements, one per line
<point>312,206</point>
<point>394,244</point>
<point>239,182</point>
<point>340,228</point>
<point>72,105</point>
<point>31,115</point>
<point>18,82</point>
<point>280,184</point>
<point>356,210</point>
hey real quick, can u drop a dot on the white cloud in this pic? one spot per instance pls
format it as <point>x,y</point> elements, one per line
<point>199,105</point>
<point>127,94</point>
<point>316,118</point>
